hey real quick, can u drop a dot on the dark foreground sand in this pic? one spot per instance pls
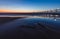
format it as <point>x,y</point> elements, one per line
<point>30,29</point>
<point>7,19</point>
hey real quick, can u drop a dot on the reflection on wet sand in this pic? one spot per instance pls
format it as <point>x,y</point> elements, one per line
<point>7,18</point>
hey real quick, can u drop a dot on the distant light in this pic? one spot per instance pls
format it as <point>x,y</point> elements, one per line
<point>55,20</point>
<point>56,15</point>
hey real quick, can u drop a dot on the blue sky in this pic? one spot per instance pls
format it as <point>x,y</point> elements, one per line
<point>29,4</point>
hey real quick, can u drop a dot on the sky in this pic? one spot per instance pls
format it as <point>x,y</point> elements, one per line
<point>28,5</point>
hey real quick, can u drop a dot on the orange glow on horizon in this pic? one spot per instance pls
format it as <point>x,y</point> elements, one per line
<point>4,10</point>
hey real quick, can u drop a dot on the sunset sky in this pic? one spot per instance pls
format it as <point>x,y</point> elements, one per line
<point>28,5</point>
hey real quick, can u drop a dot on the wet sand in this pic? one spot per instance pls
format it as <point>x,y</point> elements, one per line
<point>31,28</point>
<point>7,19</point>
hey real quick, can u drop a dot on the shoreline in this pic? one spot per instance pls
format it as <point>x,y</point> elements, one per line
<point>7,19</point>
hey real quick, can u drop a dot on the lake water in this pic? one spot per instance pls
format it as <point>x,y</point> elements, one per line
<point>50,26</point>
<point>52,23</point>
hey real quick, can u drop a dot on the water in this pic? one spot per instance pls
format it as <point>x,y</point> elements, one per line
<point>32,25</point>
<point>52,21</point>
<point>32,28</point>
<point>54,24</point>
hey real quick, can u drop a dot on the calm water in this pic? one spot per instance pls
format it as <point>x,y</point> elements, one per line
<point>51,23</point>
<point>48,24</point>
